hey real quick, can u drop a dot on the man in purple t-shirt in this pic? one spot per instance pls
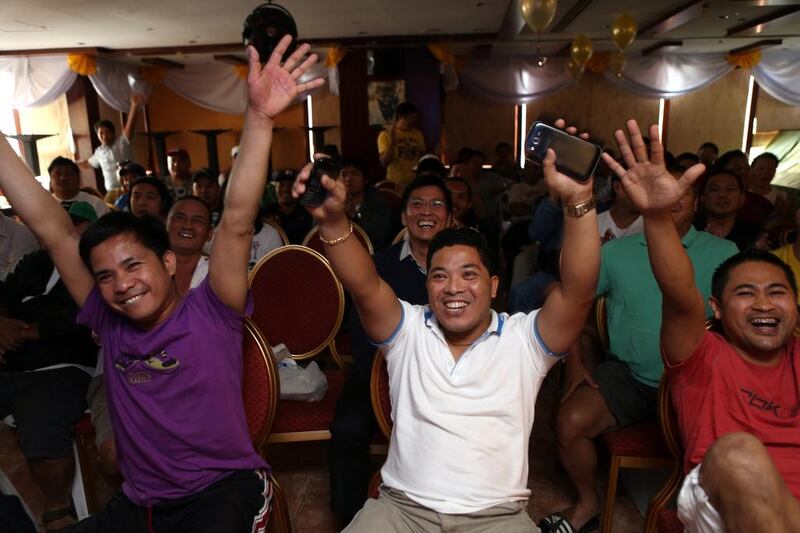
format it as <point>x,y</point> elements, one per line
<point>173,364</point>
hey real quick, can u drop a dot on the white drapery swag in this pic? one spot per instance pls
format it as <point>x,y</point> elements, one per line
<point>513,80</point>
<point>778,73</point>
<point>39,80</point>
<point>670,75</point>
<point>34,81</point>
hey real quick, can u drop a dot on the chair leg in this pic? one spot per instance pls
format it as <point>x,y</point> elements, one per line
<point>87,459</point>
<point>279,521</point>
<point>611,495</point>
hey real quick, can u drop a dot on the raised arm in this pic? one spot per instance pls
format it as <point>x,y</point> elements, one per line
<point>137,100</point>
<point>654,191</point>
<point>45,217</point>
<point>377,305</point>
<point>563,315</point>
<point>271,89</point>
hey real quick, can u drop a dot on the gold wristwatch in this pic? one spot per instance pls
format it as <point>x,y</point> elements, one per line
<point>578,210</point>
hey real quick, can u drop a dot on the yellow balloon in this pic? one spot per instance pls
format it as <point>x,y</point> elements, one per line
<point>581,49</point>
<point>617,63</point>
<point>575,70</point>
<point>538,13</point>
<point>623,31</point>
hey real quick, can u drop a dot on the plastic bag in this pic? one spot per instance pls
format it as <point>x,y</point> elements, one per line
<point>301,384</point>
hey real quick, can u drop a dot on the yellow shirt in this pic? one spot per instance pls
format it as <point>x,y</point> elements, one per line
<point>787,255</point>
<point>409,146</point>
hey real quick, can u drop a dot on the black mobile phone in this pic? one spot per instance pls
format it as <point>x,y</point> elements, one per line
<point>315,193</point>
<point>576,157</point>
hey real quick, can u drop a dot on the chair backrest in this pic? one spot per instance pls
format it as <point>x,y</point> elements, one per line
<point>601,319</point>
<point>312,240</point>
<point>260,385</point>
<point>379,393</point>
<point>278,228</point>
<point>400,236</point>
<point>297,300</point>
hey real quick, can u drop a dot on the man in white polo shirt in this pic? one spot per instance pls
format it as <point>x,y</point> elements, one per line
<point>463,379</point>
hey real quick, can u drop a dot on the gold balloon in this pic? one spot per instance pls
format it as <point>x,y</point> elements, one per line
<point>581,49</point>
<point>617,63</point>
<point>538,13</point>
<point>575,70</point>
<point>623,31</point>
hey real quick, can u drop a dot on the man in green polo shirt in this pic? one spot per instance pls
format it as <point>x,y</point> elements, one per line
<point>623,389</point>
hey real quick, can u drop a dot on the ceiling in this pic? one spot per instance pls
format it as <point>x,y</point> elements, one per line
<point>164,28</point>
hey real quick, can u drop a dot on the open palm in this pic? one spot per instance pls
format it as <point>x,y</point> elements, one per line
<point>273,87</point>
<point>647,182</point>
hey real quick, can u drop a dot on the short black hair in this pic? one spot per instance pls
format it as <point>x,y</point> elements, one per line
<point>768,155</point>
<point>405,109</point>
<point>502,144</point>
<point>722,274</point>
<point>431,167</point>
<point>163,191</point>
<point>104,124</point>
<point>63,162</point>
<point>192,198</point>
<point>356,162</point>
<point>130,167</point>
<point>725,159</point>
<point>427,180</point>
<point>711,145</point>
<point>148,230</point>
<point>463,236</point>
<point>716,171</point>
<point>460,180</point>
<point>203,173</point>
<point>688,155</point>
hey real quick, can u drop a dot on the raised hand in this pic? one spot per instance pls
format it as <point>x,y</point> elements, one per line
<point>273,87</point>
<point>333,208</point>
<point>563,187</point>
<point>647,183</point>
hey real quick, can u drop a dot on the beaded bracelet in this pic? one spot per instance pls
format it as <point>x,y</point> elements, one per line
<point>338,240</point>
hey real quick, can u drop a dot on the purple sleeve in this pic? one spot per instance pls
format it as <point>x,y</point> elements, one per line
<point>208,299</point>
<point>95,313</point>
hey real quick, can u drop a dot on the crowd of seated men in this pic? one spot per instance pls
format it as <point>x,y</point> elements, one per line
<point>668,242</point>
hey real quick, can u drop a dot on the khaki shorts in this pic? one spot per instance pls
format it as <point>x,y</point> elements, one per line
<point>694,509</point>
<point>394,512</point>
<point>96,398</point>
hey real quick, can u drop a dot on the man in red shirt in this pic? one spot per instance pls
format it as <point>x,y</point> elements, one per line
<point>737,395</point>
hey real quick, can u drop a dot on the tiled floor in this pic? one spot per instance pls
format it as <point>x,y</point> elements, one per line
<point>302,471</point>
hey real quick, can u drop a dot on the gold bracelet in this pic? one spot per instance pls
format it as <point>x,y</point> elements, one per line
<point>338,240</point>
<point>579,209</point>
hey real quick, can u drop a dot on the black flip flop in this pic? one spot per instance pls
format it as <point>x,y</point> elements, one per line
<point>558,523</point>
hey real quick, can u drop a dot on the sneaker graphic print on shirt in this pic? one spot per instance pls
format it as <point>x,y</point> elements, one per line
<point>140,370</point>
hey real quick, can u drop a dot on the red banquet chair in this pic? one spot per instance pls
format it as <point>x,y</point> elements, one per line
<point>299,302</point>
<point>382,405</point>
<point>638,446</point>
<point>341,347</point>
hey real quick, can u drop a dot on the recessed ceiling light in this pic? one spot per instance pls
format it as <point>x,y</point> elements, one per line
<point>723,17</point>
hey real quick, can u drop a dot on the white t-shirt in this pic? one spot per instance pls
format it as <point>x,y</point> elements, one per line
<point>106,158</point>
<point>263,243</point>
<point>99,205</point>
<point>608,229</point>
<point>461,429</point>
<point>16,241</point>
